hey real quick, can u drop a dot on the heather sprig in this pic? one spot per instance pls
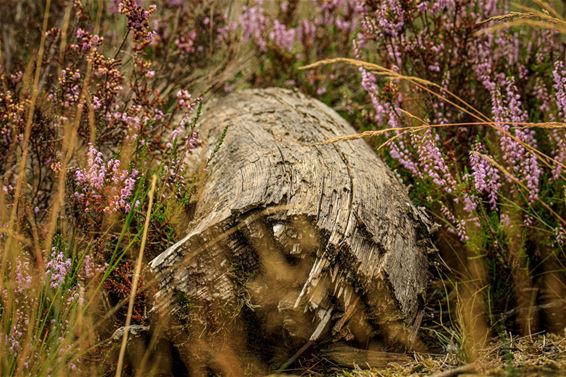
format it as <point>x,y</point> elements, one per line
<point>457,68</point>
<point>57,268</point>
<point>486,177</point>
<point>282,37</point>
<point>103,186</point>
<point>433,163</point>
<point>559,81</point>
<point>255,24</point>
<point>507,107</point>
<point>138,22</point>
<point>390,16</point>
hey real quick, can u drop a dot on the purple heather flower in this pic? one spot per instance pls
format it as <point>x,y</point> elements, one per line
<point>559,153</point>
<point>90,268</point>
<point>394,53</point>
<point>23,277</point>
<point>391,17</point>
<point>282,37</point>
<point>104,185</point>
<point>225,31</point>
<point>559,77</point>
<point>254,24</point>
<point>122,200</point>
<point>96,103</point>
<point>369,83</point>
<point>96,169</point>
<point>87,40</point>
<point>432,161</point>
<point>343,25</point>
<point>185,101</point>
<point>399,151</point>
<point>57,268</point>
<point>507,48</point>
<point>459,225</point>
<point>523,163</point>
<point>17,332</point>
<point>486,176</point>
<point>439,5</point>
<point>193,141</point>
<point>138,22</point>
<point>470,203</point>
<point>422,6</point>
<point>484,62</point>
<point>187,42</point>
<point>308,31</point>
<point>489,7</point>
<point>542,94</point>
<point>385,112</point>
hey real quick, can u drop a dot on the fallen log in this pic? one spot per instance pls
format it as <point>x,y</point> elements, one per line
<point>292,243</point>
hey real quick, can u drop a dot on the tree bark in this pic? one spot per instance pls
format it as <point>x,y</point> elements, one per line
<point>292,240</point>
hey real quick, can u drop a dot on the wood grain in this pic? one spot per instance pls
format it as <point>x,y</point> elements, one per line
<point>294,232</point>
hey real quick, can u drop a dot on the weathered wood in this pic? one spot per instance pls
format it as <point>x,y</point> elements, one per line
<point>305,241</point>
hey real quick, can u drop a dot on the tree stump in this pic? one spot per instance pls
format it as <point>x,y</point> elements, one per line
<point>293,242</point>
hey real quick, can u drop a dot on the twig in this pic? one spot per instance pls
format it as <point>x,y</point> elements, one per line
<point>468,368</point>
<point>288,363</point>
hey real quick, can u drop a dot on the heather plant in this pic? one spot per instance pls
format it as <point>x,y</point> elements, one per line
<point>293,33</point>
<point>83,128</point>
<point>103,186</point>
<point>218,40</point>
<point>489,161</point>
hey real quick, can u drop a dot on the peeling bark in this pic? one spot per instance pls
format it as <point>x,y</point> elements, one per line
<point>305,241</point>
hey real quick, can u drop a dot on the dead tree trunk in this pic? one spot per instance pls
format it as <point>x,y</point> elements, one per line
<point>293,242</point>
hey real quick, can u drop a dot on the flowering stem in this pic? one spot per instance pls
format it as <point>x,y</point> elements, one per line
<point>519,183</point>
<point>460,104</point>
<point>69,144</point>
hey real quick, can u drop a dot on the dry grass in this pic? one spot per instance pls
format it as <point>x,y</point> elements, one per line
<point>537,355</point>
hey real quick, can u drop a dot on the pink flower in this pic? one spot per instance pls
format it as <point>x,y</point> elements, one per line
<point>104,186</point>
<point>391,17</point>
<point>506,108</point>
<point>432,161</point>
<point>57,268</point>
<point>282,37</point>
<point>185,101</point>
<point>559,77</point>
<point>187,42</point>
<point>486,176</point>
<point>254,24</point>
